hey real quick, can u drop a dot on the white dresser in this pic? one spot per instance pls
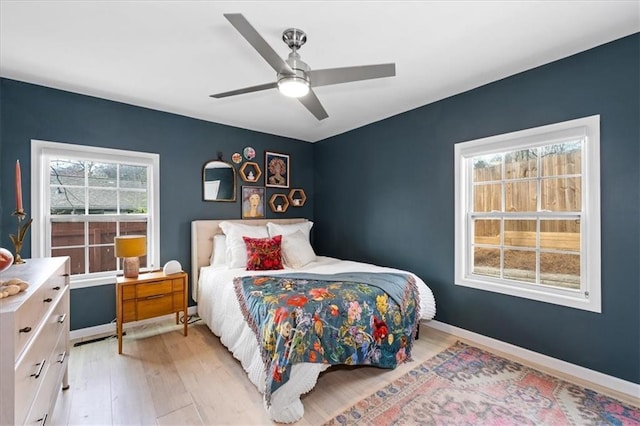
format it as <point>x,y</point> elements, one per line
<point>34,341</point>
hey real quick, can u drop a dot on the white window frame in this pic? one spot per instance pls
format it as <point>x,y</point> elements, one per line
<point>588,297</point>
<point>41,152</point>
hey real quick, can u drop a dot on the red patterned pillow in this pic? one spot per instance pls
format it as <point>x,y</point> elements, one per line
<point>263,254</point>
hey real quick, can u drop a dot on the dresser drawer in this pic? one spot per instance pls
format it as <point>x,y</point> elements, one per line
<point>154,306</point>
<point>153,289</point>
<point>42,405</point>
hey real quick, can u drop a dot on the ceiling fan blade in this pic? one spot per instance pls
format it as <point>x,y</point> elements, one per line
<point>329,76</point>
<point>312,103</point>
<point>255,39</point>
<point>251,89</point>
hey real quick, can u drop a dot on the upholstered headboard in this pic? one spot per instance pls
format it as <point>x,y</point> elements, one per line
<point>202,232</point>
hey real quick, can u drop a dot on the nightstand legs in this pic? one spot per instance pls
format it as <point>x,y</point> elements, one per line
<point>119,317</point>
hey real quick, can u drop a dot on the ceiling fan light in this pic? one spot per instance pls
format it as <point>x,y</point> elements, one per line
<point>293,86</point>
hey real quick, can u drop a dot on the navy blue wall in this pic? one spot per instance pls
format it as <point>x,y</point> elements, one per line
<point>385,194</point>
<point>184,144</point>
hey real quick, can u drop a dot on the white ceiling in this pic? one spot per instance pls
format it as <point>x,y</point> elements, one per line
<point>171,55</point>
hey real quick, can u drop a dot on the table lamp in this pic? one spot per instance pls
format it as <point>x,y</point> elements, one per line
<point>131,247</point>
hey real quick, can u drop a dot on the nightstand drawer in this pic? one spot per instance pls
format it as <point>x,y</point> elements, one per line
<point>129,310</point>
<point>178,285</point>
<point>128,292</point>
<point>153,289</point>
<point>178,301</point>
<point>154,306</point>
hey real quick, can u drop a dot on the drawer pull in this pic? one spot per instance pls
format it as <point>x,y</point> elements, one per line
<point>63,356</point>
<point>157,296</point>
<point>48,300</point>
<point>25,330</point>
<point>65,275</point>
<point>40,367</point>
<point>57,288</point>
<point>42,420</point>
<point>62,318</point>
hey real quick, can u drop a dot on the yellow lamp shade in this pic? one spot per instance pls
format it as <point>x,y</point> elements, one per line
<point>130,246</point>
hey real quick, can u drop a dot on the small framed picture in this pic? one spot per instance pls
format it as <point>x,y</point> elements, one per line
<point>276,168</point>
<point>253,202</point>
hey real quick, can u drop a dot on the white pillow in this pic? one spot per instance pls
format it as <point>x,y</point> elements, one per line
<point>219,254</point>
<point>296,250</point>
<point>278,229</point>
<point>236,249</point>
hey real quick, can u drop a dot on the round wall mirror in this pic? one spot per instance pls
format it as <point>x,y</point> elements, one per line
<point>218,181</point>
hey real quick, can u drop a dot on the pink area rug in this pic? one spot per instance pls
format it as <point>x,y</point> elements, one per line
<point>464,385</point>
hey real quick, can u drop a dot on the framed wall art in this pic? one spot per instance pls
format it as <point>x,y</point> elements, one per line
<point>276,168</point>
<point>253,202</point>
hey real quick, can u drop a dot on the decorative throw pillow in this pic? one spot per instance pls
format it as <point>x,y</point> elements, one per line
<point>236,249</point>
<point>296,250</point>
<point>279,229</point>
<point>263,254</point>
<point>219,254</point>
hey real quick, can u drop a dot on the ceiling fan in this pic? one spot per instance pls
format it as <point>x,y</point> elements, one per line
<point>294,78</point>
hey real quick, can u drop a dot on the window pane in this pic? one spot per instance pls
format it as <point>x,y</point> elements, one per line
<point>521,164</point>
<point>520,233</point>
<point>65,234</point>
<point>102,201</point>
<point>521,196</point>
<point>133,176</point>
<point>77,258</point>
<point>487,167</point>
<point>486,231</point>
<point>562,159</point>
<point>133,202</point>
<point>520,265</point>
<point>101,259</point>
<point>133,228</point>
<point>560,234</point>
<point>102,174</point>
<point>562,194</point>
<point>487,198</point>
<point>560,270</point>
<point>66,172</point>
<point>102,232</point>
<point>67,200</point>
<point>486,261</point>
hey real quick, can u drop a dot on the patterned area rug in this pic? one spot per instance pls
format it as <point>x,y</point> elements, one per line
<point>464,385</point>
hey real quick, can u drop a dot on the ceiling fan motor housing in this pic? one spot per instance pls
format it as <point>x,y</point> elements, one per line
<point>299,67</point>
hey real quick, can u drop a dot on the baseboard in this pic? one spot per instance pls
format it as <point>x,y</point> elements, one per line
<point>615,384</point>
<point>92,332</point>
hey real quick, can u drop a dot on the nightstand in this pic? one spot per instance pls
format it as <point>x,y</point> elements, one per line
<point>150,295</point>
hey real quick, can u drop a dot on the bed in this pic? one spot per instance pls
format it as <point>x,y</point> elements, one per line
<point>216,293</point>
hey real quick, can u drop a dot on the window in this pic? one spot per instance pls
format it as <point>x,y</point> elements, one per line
<point>83,197</point>
<point>528,213</point>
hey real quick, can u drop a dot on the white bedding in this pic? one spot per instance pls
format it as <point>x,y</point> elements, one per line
<point>219,309</point>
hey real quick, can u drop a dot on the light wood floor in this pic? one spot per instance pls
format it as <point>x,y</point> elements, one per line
<point>165,378</point>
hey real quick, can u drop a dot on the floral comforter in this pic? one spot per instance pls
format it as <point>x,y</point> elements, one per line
<point>352,318</point>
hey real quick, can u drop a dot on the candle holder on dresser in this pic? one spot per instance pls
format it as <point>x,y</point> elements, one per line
<point>18,239</point>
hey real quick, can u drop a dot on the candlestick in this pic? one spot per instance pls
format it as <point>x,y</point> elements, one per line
<point>18,188</point>
<point>18,239</point>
